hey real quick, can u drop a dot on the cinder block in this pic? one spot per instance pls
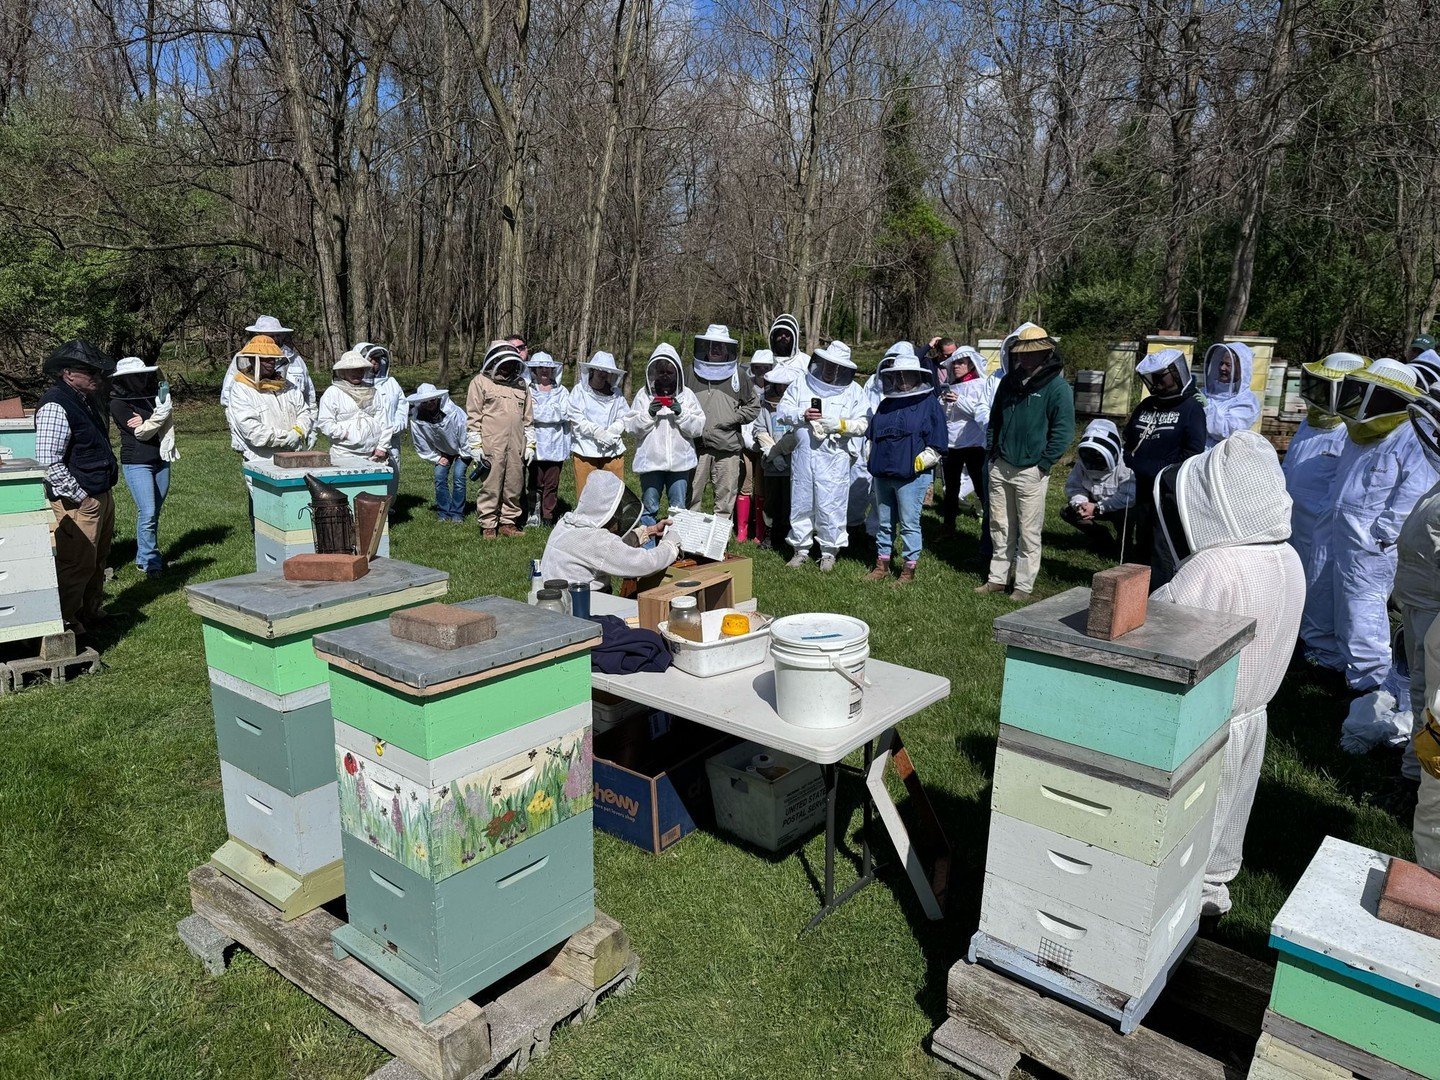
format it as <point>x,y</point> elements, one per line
<point>1118,599</point>
<point>313,567</point>
<point>302,459</point>
<point>1411,898</point>
<point>443,626</point>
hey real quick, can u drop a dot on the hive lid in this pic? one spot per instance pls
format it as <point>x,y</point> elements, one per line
<point>522,632</point>
<point>267,605</point>
<point>21,468</point>
<point>1177,643</point>
<point>276,477</point>
<point>18,423</point>
<point>1331,919</point>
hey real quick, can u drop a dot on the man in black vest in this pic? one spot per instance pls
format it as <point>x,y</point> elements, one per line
<point>72,443</point>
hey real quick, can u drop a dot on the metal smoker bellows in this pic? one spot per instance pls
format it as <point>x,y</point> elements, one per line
<point>331,519</point>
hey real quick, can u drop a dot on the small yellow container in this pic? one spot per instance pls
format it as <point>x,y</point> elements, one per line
<point>734,626</point>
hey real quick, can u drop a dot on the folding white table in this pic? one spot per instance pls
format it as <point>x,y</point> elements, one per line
<point>742,703</point>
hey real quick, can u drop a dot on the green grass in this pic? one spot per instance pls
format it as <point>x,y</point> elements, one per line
<point>110,793</point>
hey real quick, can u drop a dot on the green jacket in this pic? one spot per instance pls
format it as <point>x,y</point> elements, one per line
<point>1032,422</point>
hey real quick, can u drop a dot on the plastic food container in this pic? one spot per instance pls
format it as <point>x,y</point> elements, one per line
<point>718,655</point>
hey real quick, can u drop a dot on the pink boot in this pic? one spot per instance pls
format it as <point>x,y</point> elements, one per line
<point>742,518</point>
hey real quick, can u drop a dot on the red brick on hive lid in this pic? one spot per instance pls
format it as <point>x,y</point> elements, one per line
<point>443,626</point>
<point>1118,600</point>
<point>314,567</point>
<point>1411,898</point>
<point>302,459</point>
<point>11,408</point>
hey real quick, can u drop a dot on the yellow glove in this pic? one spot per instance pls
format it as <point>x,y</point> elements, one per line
<point>926,459</point>
<point>1427,745</point>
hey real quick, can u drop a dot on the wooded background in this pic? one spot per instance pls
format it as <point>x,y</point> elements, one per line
<point>597,173</point>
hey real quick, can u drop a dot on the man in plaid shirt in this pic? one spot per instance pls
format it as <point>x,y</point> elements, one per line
<point>72,442</point>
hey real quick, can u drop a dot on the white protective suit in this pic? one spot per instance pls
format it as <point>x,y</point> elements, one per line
<point>581,548</point>
<point>390,403</point>
<point>354,433</point>
<point>263,424</point>
<point>1427,808</point>
<point>292,370</point>
<point>596,422</point>
<point>1230,405</point>
<point>550,411</point>
<point>441,438</point>
<point>665,442</point>
<point>968,415</point>
<point>798,359</point>
<point>1376,485</point>
<point>1112,488</point>
<point>822,463</point>
<point>1236,518</point>
<point>1310,466</point>
<point>1417,576</point>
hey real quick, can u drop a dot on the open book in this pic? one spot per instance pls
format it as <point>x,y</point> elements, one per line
<point>702,534</point>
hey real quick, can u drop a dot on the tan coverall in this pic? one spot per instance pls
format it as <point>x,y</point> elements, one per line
<point>499,415</point>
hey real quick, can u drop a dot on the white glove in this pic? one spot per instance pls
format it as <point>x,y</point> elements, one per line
<point>664,413</point>
<point>615,432</point>
<point>766,441</point>
<point>926,459</point>
<point>817,428</point>
<point>476,450</point>
<point>529,455</point>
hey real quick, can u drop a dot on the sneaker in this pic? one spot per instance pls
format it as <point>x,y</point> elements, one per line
<point>907,574</point>
<point>881,571</point>
<point>533,521</point>
<point>798,560</point>
<point>510,530</point>
<point>989,587</point>
<point>1020,596</point>
<point>827,563</point>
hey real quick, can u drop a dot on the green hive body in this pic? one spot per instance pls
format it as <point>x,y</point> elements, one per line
<point>29,596</point>
<point>273,724</point>
<point>465,798</point>
<point>1103,801</point>
<point>18,437</point>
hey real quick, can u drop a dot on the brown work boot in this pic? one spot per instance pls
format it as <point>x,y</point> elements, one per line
<point>511,530</point>
<point>881,571</point>
<point>989,587</point>
<point>488,534</point>
<point>1021,596</point>
<point>907,574</point>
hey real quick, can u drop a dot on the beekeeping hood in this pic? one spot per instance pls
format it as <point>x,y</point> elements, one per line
<point>1151,368</point>
<point>1231,495</point>
<point>1373,400</point>
<point>1100,448</point>
<point>785,322</point>
<point>1320,383</point>
<point>664,354</point>
<point>606,503</point>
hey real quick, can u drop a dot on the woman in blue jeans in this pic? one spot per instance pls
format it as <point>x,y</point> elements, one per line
<point>665,418</point>
<point>907,438</point>
<point>141,406</point>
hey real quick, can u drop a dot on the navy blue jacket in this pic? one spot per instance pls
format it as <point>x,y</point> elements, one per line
<point>1161,433</point>
<point>900,429</point>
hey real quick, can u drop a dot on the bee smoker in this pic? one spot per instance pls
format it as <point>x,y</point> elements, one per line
<point>330,518</point>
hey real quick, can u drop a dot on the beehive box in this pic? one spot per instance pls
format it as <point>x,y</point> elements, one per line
<point>1345,973</point>
<point>1153,696</point>
<point>273,546</point>
<point>29,597</point>
<point>465,781</point>
<point>17,435</point>
<point>282,500</point>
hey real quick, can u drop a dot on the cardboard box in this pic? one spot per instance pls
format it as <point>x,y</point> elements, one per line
<point>654,792</point>
<point>740,569</point>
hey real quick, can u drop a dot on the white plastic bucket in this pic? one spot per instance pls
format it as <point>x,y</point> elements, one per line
<point>819,668</point>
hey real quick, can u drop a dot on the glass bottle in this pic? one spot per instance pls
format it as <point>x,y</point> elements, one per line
<point>684,619</point>
<point>549,600</point>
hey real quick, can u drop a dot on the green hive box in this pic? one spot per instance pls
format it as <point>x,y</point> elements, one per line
<point>18,436</point>
<point>458,874</point>
<point>282,501</point>
<point>1347,974</point>
<point>272,712</point>
<point>1152,697</point>
<point>22,487</point>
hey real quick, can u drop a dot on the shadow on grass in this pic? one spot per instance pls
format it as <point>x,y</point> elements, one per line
<point>126,609</point>
<point>404,508</point>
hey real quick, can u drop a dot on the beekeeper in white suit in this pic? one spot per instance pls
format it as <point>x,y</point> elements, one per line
<point>596,415</point>
<point>603,536</point>
<point>390,400</point>
<point>1310,466</point>
<point>1381,473</point>
<point>1226,515</point>
<point>1230,404</point>
<point>785,343</point>
<point>1417,573</point>
<point>830,411</point>
<point>292,365</point>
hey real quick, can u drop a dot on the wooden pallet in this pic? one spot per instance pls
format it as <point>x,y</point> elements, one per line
<point>503,1028</point>
<point>50,658</point>
<point>995,1021</point>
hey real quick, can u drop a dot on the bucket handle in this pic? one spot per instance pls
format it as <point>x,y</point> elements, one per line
<point>859,684</point>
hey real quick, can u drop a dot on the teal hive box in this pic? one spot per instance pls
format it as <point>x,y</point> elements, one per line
<point>18,437</point>
<point>258,627</point>
<point>22,487</point>
<point>1152,697</point>
<point>282,501</point>
<point>443,942</point>
<point>283,739</point>
<point>1345,973</point>
<point>273,547</point>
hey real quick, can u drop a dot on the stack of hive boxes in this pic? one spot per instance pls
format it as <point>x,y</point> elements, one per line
<point>17,437</point>
<point>1104,795</point>
<point>1353,995</point>
<point>272,720</point>
<point>465,798</point>
<point>281,504</point>
<point>29,599</point>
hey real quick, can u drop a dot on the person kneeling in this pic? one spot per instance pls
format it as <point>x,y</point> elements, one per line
<point>603,536</point>
<point>1101,487</point>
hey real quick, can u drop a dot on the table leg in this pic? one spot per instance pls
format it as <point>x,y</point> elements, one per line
<point>832,786</point>
<point>869,806</point>
<point>828,900</point>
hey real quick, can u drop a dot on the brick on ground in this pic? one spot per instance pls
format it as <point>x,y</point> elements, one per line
<point>314,567</point>
<point>1118,600</point>
<point>1411,898</point>
<point>443,626</point>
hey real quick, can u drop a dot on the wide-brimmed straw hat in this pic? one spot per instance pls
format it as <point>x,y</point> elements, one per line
<point>1032,339</point>
<point>262,345</point>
